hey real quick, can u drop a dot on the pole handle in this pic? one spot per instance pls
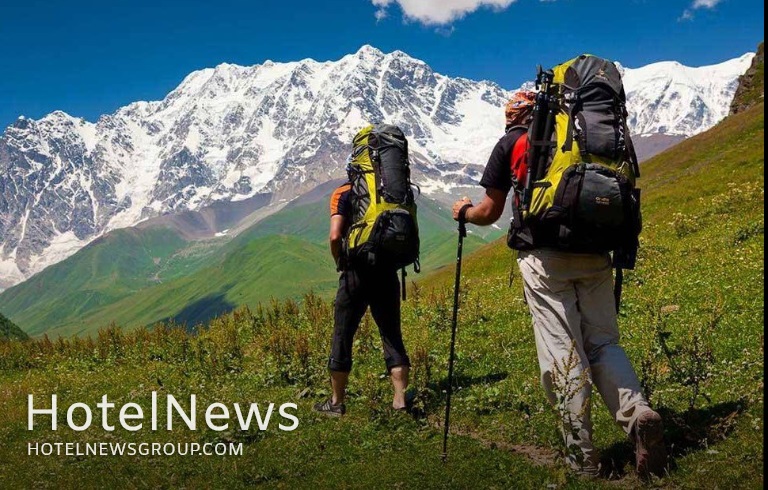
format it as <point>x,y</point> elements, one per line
<point>463,220</point>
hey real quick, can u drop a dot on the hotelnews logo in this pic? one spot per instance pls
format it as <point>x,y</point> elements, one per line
<point>131,417</point>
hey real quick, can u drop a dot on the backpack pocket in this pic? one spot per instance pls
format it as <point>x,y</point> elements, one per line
<point>600,202</point>
<point>394,239</point>
<point>599,132</point>
<point>595,210</point>
<point>390,157</point>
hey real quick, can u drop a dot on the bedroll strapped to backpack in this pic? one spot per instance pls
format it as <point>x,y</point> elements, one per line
<point>385,230</point>
<point>580,192</point>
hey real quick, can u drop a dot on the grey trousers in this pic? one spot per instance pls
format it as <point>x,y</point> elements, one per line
<point>570,297</point>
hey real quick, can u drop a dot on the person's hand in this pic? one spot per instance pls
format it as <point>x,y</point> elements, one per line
<point>458,205</point>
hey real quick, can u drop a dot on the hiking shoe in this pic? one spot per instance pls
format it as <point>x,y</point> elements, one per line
<point>329,409</point>
<point>589,473</point>
<point>650,452</point>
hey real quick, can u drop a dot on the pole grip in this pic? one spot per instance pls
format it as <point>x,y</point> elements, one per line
<point>463,220</point>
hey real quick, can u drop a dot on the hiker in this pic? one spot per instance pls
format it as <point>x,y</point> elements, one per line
<point>373,234</point>
<point>571,298</point>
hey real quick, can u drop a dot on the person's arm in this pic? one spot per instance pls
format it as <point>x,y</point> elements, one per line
<point>335,236</point>
<point>487,212</point>
<point>497,180</point>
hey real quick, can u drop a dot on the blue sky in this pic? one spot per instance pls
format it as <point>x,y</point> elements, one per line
<point>91,57</point>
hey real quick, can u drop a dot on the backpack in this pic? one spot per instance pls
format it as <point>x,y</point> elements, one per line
<point>580,192</point>
<point>384,231</point>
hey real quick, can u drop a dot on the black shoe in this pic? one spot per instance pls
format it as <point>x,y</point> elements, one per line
<point>329,409</point>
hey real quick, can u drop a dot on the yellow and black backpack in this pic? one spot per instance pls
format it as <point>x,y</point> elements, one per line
<point>580,192</point>
<point>385,230</point>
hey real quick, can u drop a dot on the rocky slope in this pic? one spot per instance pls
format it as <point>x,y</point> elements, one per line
<point>751,90</point>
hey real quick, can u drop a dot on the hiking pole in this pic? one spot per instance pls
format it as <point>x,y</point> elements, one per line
<point>454,321</point>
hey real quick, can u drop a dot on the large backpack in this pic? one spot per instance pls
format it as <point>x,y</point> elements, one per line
<point>384,231</point>
<point>580,192</point>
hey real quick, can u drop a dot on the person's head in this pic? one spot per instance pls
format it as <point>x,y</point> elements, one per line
<point>519,109</point>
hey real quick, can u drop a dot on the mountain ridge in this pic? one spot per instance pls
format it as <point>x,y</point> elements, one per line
<point>229,134</point>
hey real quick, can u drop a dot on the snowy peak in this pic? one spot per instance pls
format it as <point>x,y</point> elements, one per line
<point>368,51</point>
<point>230,133</point>
<point>673,99</point>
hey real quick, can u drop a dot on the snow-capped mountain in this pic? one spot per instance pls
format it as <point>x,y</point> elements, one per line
<point>227,133</point>
<point>673,99</point>
<point>232,132</point>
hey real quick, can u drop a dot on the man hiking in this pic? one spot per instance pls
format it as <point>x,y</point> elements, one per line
<point>373,233</point>
<point>570,297</point>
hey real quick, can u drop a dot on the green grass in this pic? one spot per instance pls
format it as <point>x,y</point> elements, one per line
<point>310,222</point>
<point>692,324</point>
<point>258,266</point>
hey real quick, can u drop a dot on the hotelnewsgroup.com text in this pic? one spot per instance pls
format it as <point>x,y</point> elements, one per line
<point>134,449</point>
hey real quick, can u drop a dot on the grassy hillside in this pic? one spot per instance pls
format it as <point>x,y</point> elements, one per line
<point>139,276</point>
<point>107,270</point>
<point>264,268</point>
<point>255,267</point>
<point>692,323</point>
<point>9,331</point>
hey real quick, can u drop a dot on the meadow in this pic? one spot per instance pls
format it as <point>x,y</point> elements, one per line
<point>691,319</point>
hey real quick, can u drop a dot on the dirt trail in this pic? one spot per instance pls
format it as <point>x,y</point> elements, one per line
<point>542,456</point>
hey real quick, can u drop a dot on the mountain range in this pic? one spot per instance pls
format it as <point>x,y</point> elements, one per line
<point>238,143</point>
<point>182,209</point>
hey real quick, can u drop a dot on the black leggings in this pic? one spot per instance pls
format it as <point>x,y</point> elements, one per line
<point>358,289</point>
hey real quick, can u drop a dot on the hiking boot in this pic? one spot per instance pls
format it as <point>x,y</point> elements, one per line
<point>589,473</point>
<point>650,452</point>
<point>584,469</point>
<point>330,409</point>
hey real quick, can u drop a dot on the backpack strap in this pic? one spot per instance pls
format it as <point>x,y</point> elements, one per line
<point>631,147</point>
<point>617,286</point>
<point>574,107</point>
<point>376,163</point>
<point>521,132</point>
<point>402,280</point>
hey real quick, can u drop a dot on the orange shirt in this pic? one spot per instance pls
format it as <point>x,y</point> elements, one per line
<point>340,203</point>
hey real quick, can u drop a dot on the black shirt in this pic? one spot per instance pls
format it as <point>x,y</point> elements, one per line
<point>498,171</point>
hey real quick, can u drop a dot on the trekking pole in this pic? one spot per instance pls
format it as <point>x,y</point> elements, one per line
<point>454,321</point>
